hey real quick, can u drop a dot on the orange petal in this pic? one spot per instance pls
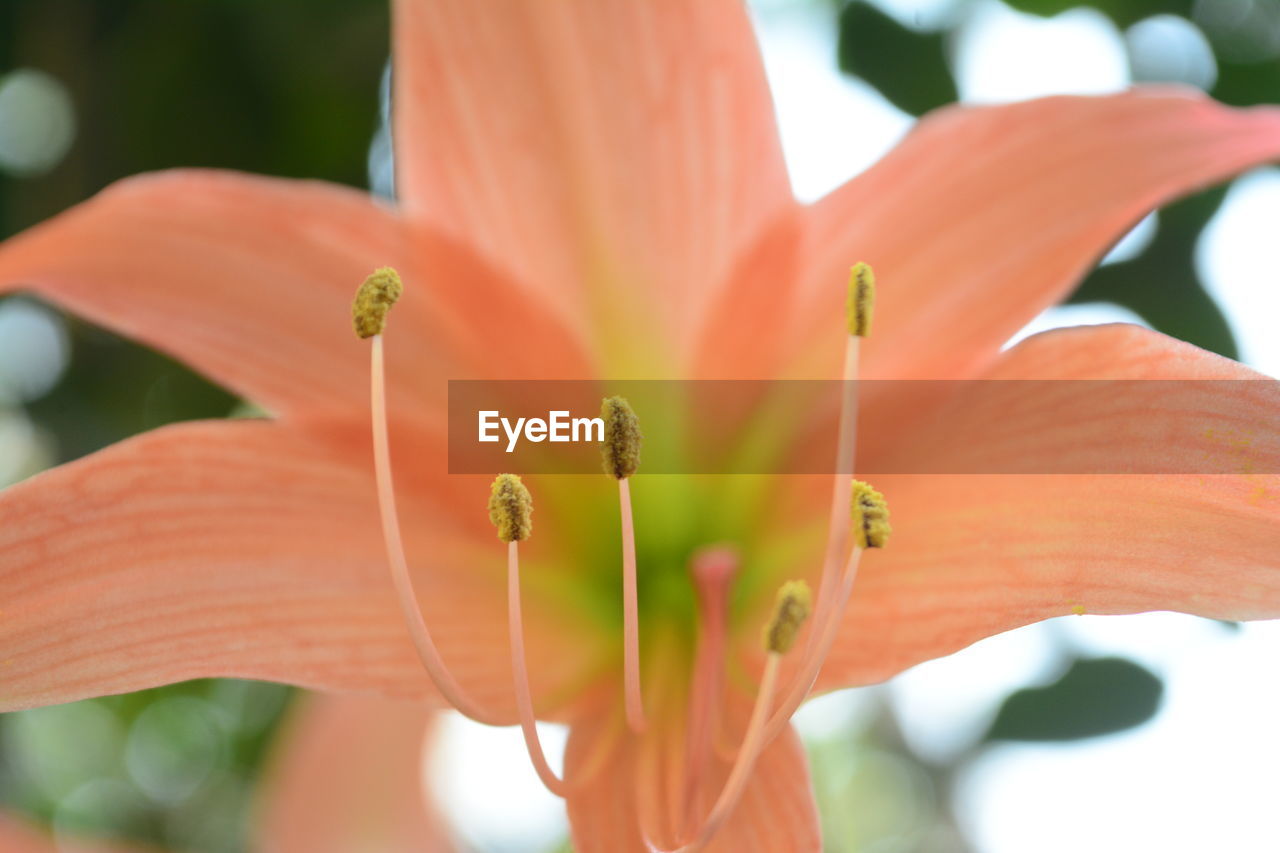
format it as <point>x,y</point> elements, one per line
<point>249,280</point>
<point>627,148</point>
<point>17,836</point>
<point>611,770</point>
<point>234,549</point>
<point>983,217</point>
<point>974,555</point>
<point>348,775</point>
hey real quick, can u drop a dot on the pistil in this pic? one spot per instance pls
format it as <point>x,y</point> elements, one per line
<point>713,570</point>
<point>369,315</point>
<point>791,610</point>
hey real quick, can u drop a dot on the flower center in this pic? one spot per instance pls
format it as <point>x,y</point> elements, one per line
<point>859,520</point>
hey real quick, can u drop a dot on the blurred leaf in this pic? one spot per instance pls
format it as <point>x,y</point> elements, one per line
<point>1161,284</point>
<point>1123,12</point>
<point>1094,697</point>
<point>907,67</point>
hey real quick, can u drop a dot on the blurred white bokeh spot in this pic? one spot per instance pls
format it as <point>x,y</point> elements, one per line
<point>483,778</point>
<point>1169,48</point>
<point>1002,55</point>
<point>37,122</point>
<point>34,350</point>
<point>1239,260</point>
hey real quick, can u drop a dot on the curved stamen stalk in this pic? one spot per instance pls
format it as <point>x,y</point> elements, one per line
<point>860,307</point>
<point>826,625</point>
<point>520,670</point>
<point>373,300</point>
<point>630,613</point>
<point>511,511</point>
<point>621,458</point>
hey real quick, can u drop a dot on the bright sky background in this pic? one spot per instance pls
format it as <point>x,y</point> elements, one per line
<point>1202,775</point>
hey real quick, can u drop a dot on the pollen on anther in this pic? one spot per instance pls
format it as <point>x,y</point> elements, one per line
<point>870,517</point>
<point>511,508</point>
<point>373,300</point>
<point>791,608</point>
<point>622,438</point>
<point>862,299</point>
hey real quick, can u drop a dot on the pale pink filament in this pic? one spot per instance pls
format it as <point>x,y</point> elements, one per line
<point>427,651</point>
<point>520,670</point>
<point>630,614</point>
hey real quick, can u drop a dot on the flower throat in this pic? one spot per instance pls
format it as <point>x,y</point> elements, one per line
<point>859,520</point>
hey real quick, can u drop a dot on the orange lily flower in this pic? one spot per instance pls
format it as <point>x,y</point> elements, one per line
<point>571,209</point>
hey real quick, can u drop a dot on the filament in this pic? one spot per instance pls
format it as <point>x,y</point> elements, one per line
<point>520,670</point>
<point>630,614</point>
<point>428,654</point>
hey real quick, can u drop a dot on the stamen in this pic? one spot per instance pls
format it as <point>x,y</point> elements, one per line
<point>621,453</point>
<point>860,305</point>
<point>713,570</point>
<point>790,612</point>
<point>504,486</point>
<point>870,516</point>
<point>373,301</point>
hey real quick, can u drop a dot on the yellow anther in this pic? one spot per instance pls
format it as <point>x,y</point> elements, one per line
<point>792,607</point>
<point>374,299</point>
<point>511,508</point>
<point>862,299</point>
<point>622,438</point>
<point>870,517</point>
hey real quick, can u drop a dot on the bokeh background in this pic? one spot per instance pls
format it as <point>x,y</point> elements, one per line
<point>1153,732</point>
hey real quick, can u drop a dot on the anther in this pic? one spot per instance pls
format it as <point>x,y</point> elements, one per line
<point>862,299</point>
<point>511,508</point>
<point>622,438</point>
<point>791,609</point>
<point>373,300</point>
<point>870,517</point>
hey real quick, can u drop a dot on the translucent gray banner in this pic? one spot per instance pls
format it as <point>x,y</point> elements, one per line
<point>902,427</point>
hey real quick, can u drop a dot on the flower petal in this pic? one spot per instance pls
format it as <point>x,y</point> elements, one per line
<point>982,217</point>
<point>17,836</point>
<point>238,549</point>
<point>348,775</point>
<point>248,280</point>
<point>974,555</point>
<point>609,770</point>
<point>628,147</point>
